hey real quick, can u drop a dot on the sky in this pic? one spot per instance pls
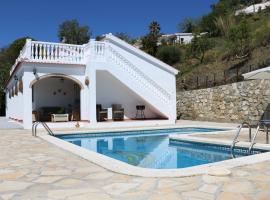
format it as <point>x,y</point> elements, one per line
<point>40,19</point>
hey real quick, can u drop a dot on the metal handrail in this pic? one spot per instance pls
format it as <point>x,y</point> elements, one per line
<point>253,139</point>
<point>255,136</point>
<point>235,140</point>
<point>35,125</point>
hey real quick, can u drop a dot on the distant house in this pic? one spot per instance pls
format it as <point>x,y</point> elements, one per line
<point>253,8</point>
<point>178,38</point>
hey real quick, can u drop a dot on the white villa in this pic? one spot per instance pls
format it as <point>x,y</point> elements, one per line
<point>179,38</point>
<point>253,8</point>
<point>106,82</point>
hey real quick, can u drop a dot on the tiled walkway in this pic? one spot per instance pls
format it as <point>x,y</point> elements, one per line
<point>31,168</point>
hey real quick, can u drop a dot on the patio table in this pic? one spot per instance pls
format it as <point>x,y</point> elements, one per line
<point>59,117</point>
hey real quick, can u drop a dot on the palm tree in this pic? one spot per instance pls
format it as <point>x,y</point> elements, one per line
<point>154,28</point>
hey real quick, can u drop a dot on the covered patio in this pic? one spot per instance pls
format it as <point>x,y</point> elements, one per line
<point>116,102</point>
<point>55,98</point>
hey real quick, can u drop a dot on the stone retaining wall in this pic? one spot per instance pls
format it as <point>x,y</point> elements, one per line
<point>237,102</point>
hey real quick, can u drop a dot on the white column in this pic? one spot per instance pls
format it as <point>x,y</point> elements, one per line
<point>92,95</point>
<point>84,97</point>
<point>27,101</point>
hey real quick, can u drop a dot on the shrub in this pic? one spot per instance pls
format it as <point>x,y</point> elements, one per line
<point>169,54</point>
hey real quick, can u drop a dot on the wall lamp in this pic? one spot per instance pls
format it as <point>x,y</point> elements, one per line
<point>34,71</point>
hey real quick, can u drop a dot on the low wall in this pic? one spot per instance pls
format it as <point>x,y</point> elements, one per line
<point>244,101</point>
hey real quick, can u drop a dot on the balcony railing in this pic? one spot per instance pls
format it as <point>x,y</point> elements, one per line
<point>47,52</point>
<point>56,52</point>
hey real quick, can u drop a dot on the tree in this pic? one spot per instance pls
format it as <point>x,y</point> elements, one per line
<point>154,28</point>
<point>239,39</point>
<point>188,25</point>
<point>222,9</point>
<point>149,42</point>
<point>198,47</point>
<point>71,32</point>
<point>169,54</point>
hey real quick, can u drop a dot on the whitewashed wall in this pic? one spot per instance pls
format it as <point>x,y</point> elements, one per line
<point>186,39</point>
<point>14,107</point>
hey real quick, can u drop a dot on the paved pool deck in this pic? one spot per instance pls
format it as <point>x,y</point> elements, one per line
<point>31,168</point>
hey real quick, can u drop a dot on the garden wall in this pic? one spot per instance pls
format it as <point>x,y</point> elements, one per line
<point>244,101</point>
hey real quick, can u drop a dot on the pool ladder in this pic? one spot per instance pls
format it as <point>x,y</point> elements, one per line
<point>35,125</point>
<point>235,140</point>
<point>251,140</point>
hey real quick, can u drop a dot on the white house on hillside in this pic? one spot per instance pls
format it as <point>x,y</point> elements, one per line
<point>179,38</point>
<point>253,8</point>
<point>101,82</point>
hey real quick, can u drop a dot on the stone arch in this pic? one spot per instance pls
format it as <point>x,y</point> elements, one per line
<point>57,75</point>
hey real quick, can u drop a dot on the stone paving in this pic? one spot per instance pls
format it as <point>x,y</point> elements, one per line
<point>243,137</point>
<point>31,168</point>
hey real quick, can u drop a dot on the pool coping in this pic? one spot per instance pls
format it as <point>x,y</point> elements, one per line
<point>105,130</point>
<point>127,169</point>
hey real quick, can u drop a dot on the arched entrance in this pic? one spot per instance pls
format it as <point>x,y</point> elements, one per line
<point>56,94</point>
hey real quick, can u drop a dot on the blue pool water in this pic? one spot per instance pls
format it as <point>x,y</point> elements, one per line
<point>153,148</point>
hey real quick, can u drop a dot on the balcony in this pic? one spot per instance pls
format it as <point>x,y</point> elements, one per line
<point>59,53</point>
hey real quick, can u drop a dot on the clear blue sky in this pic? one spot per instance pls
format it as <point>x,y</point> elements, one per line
<point>40,18</point>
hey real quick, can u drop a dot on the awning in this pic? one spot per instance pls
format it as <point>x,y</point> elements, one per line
<point>263,73</point>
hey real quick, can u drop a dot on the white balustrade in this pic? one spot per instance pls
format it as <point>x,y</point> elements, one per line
<point>99,48</point>
<point>57,52</point>
<point>47,52</point>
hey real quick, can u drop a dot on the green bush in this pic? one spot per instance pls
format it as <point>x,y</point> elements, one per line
<point>169,54</point>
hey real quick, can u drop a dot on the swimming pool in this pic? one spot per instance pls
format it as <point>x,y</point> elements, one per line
<point>154,149</point>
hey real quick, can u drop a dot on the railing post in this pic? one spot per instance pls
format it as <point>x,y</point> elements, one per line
<point>27,53</point>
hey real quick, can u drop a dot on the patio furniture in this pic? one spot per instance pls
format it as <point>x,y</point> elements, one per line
<point>102,114</point>
<point>44,113</point>
<point>75,114</point>
<point>59,117</point>
<point>140,112</point>
<point>109,113</point>
<point>34,116</point>
<point>117,112</point>
<point>265,124</point>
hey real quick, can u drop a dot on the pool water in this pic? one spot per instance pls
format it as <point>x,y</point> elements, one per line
<point>153,148</point>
